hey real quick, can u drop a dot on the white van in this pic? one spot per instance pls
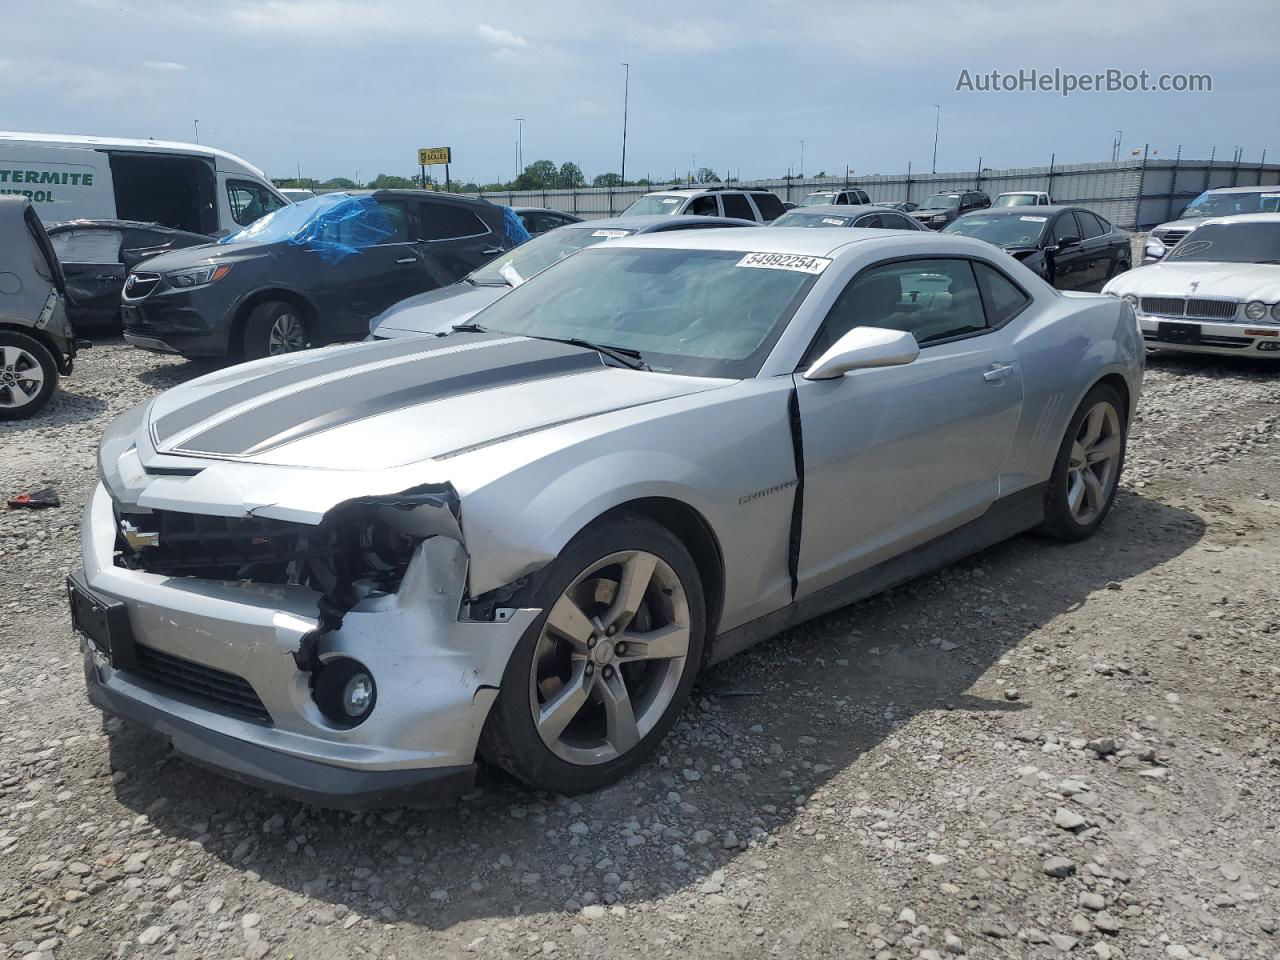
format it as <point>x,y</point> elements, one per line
<point>181,185</point>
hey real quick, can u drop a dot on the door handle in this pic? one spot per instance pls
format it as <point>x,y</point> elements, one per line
<point>492,251</point>
<point>997,372</point>
<point>407,260</point>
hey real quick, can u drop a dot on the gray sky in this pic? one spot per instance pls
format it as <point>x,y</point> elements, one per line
<point>340,86</point>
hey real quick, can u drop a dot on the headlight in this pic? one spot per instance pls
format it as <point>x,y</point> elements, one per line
<point>198,277</point>
<point>1255,310</point>
<point>1275,313</point>
<point>1132,300</point>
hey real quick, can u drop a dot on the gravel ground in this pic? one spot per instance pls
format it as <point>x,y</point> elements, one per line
<point>1043,751</point>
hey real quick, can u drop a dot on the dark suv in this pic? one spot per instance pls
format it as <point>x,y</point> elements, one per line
<point>311,273</point>
<point>939,209</point>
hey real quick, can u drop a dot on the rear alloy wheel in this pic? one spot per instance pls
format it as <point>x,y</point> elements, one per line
<point>275,328</point>
<point>598,680</point>
<point>1087,472</point>
<point>28,375</point>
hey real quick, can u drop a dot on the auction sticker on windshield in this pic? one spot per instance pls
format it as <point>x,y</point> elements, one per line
<point>785,261</point>
<point>834,221</point>
<point>611,234</point>
<point>1034,219</point>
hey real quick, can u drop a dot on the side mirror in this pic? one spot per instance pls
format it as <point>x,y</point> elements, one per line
<point>862,348</point>
<point>1066,242</point>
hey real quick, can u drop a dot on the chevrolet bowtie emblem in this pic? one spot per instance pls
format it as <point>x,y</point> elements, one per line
<point>137,539</point>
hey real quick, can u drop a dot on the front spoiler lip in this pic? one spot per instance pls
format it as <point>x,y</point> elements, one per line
<point>299,778</point>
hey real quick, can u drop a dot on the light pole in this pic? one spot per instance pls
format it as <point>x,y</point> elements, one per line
<point>626,95</point>
<point>801,159</point>
<point>197,125</point>
<point>937,124</point>
<point>519,145</point>
<point>1119,144</point>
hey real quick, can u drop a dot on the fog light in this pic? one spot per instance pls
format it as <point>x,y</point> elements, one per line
<point>1269,345</point>
<point>345,692</point>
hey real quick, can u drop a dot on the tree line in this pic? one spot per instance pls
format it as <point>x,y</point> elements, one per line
<point>539,175</point>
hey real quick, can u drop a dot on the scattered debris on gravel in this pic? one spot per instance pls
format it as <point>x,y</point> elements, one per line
<point>1043,751</point>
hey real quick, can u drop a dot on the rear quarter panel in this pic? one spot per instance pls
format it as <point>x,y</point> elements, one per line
<point>1065,344</point>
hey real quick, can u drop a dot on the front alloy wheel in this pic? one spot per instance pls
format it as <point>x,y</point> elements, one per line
<point>610,658</point>
<point>600,677</point>
<point>288,335</point>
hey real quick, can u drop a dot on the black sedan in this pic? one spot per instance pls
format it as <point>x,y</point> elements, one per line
<point>97,255</point>
<point>311,273</point>
<point>1071,247</point>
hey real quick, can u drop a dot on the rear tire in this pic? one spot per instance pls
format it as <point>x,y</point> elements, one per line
<point>602,674</point>
<point>1082,486</point>
<point>28,375</point>
<point>273,329</point>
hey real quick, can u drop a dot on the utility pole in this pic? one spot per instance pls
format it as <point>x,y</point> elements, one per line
<point>519,145</point>
<point>197,124</point>
<point>937,124</point>
<point>802,159</point>
<point>626,95</point>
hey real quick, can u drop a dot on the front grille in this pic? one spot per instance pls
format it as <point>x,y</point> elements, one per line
<point>140,285</point>
<point>1170,237</point>
<point>220,548</point>
<point>1212,309</point>
<point>1164,306</point>
<point>1201,308</point>
<point>210,687</point>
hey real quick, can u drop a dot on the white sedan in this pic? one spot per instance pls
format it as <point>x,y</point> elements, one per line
<point>1218,291</point>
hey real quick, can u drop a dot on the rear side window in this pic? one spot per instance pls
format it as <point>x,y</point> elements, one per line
<point>1089,225</point>
<point>894,221</point>
<point>250,201</point>
<point>735,205</point>
<point>444,221</point>
<point>769,205</point>
<point>704,207</point>
<point>873,220</point>
<point>1003,298</point>
<point>87,246</point>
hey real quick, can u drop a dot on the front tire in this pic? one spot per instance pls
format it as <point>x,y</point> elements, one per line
<point>28,375</point>
<point>1087,471</point>
<point>273,329</point>
<point>602,674</point>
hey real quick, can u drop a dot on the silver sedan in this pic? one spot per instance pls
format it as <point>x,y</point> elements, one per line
<point>349,574</point>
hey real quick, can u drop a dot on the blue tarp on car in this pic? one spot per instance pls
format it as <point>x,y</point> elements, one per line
<point>334,226</point>
<point>515,227</point>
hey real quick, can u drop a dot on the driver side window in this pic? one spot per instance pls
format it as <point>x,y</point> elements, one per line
<point>704,207</point>
<point>1065,228</point>
<point>933,300</point>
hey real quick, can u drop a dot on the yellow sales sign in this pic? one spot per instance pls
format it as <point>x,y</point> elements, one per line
<point>428,155</point>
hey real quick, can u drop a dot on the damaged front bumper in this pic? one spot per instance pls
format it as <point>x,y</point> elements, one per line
<point>220,668</point>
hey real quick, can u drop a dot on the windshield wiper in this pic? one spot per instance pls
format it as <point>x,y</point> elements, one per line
<point>624,355</point>
<point>469,328</point>
<point>485,283</point>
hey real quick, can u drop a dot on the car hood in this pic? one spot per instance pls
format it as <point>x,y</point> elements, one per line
<point>189,257</point>
<point>386,404</point>
<point>1241,281</point>
<point>435,311</point>
<point>1190,224</point>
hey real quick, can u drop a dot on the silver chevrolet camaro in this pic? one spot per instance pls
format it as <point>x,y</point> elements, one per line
<point>346,574</point>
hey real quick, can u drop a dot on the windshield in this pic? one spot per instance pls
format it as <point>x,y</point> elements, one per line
<point>701,312</point>
<point>1210,204</point>
<point>658,204</point>
<point>941,201</point>
<point>1007,231</point>
<point>1230,243</point>
<point>516,266</point>
<point>1015,200</point>
<point>797,219</point>
<point>816,199</point>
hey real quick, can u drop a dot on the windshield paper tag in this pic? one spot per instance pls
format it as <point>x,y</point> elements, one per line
<point>785,261</point>
<point>834,221</point>
<point>670,199</point>
<point>1034,219</point>
<point>611,234</point>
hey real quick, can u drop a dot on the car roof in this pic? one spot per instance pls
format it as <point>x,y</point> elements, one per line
<point>1038,210</point>
<point>1273,188</point>
<point>64,225</point>
<point>411,194</point>
<point>808,243</point>
<point>541,210</point>
<point>1019,193</point>
<point>710,188</point>
<point>845,209</point>
<point>162,146</point>
<point>643,224</point>
<point>1244,218</point>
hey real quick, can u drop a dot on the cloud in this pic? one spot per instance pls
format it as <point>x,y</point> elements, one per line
<point>165,65</point>
<point>501,38</point>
